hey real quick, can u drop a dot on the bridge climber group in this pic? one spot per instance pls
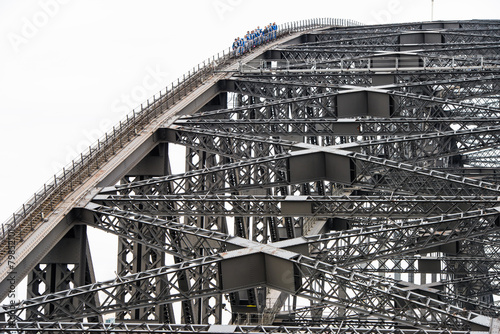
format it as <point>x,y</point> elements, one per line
<point>254,38</point>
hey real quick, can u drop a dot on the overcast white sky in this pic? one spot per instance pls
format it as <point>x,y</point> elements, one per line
<point>70,69</point>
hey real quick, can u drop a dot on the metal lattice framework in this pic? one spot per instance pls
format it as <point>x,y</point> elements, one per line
<point>343,178</point>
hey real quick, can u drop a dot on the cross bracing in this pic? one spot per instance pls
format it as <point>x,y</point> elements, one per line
<point>425,146</point>
<point>388,206</point>
<point>339,179</point>
<point>415,309</point>
<point>85,327</point>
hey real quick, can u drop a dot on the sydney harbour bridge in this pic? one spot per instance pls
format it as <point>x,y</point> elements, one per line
<point>341,178</point>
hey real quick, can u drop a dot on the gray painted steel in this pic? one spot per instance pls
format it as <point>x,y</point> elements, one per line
<point>339,179</point>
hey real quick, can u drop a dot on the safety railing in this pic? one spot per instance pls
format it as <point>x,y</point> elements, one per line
<point>37,208</point>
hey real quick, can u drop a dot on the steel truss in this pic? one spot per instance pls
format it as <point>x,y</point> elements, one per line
<point>145,327</point>
<point>345,181</point>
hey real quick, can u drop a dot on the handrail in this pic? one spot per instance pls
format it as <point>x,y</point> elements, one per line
<point>75,173</point>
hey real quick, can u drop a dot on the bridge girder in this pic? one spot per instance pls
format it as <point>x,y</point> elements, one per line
<point>341,178</point>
